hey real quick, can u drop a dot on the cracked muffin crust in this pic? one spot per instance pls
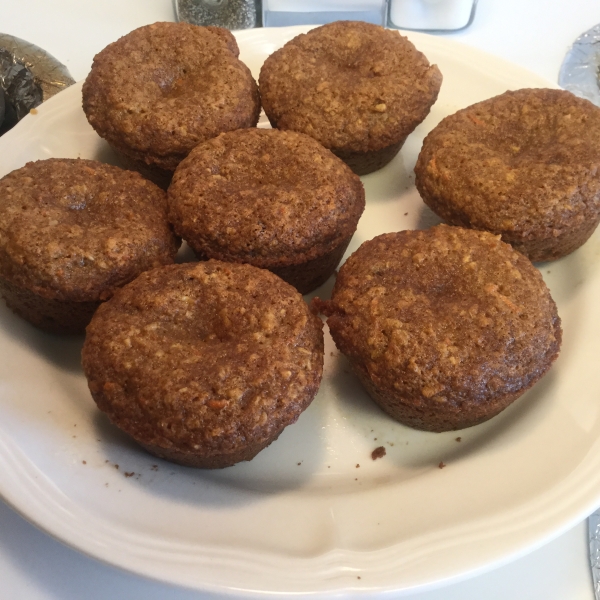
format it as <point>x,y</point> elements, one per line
<point>204,364</point>
<point>357,88</point>
<point>274,199</point>
<point>444,327</point>
<point>163,88</point>
<point>524,165</point>
<point>71,232</point>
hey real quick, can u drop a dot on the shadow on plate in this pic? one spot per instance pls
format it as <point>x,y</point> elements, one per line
<point>414,452</point>
<point>287,464</point>
<point>64,351</point>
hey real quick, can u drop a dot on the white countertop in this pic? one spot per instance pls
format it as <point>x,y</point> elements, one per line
<point>532,33</point>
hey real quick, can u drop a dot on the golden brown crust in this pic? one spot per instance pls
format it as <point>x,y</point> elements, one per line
<point>353,86</point>
<point>444,327</point>
<point>72,231</point>
<point>49,314</point>
<point>525,165</point>
<point>274,199</point>
<point>163,88</point>
<point>206,363</point>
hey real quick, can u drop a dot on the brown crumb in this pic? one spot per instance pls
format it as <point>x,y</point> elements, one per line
<point>154,467</point>
<point>117,467</point>
<point>299,463</point>
<point>378,452</point>
<point>458,439</point>
<point>129,474</point>
<point>84,462</point>
<point>33,111</point>
<point>441,465</point>
<point>357,465</point>
<point>405,214</point>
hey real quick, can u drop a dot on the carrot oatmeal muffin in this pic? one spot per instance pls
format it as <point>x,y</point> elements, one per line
<point>444,327</point>
<point>525,165</point>
<point>357,88</point>
<point>71,232</point>
<point>204,364</point>
<point>163,88</point>
<point>274,199</point>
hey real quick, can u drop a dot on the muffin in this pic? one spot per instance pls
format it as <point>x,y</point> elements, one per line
<point>444,327</point>
<point>163,88</point>
<point>357,88</point>
<point>524,165</point>
<point>71,232</point>
<point>204,364</point>
<point>274,199</point>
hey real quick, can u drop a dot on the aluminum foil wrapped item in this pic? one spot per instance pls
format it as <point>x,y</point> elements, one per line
<point>594,540</point>
<point>580,71</point>
<point>28,76</point>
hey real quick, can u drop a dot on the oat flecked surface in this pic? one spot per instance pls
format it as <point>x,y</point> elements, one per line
<point>445,327</point>
<point>353,86</point>
<point>266,197</point>
<point>75,230</point>
<point>525,165</point>
<point>163,88</point>
<point>204,363</point>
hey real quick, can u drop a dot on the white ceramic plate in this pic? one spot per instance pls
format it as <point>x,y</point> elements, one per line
<point>313,513</point>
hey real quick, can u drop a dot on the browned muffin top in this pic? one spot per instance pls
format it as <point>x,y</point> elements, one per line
<point>204,357</point>
<point>264,196</point>
<point>450,314</point>
<point>163,88</point>
<point>350,85</point>
<point>524,164</point>
<point>77,229</point>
